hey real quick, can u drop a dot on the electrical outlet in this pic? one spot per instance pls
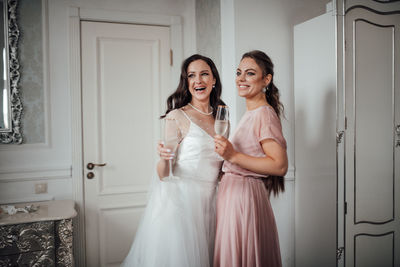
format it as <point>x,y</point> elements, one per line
<point>41,188</point>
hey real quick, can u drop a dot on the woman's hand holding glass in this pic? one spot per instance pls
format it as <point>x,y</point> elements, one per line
<point>224,148</point>
<point>165,153</point>
<point>221,125</point>
<point>169,145</point>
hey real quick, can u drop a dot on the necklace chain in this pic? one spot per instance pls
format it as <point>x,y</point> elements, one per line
<point>202,112</point>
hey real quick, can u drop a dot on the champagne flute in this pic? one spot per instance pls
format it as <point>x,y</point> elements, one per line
<point>222,120</point>
<point>171,141</point>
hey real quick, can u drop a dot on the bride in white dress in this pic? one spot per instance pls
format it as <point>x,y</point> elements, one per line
<point>178,225</point>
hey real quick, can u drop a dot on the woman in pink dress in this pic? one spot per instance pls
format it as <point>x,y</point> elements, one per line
<point>255,163</point>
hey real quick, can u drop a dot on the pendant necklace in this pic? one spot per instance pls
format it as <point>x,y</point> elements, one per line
<point>202,112</point>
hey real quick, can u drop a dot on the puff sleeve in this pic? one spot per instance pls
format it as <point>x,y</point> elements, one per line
<point>267,125</point>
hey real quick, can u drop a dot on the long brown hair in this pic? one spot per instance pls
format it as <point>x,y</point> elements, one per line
<point>276,184</point>
<point>182,96</point>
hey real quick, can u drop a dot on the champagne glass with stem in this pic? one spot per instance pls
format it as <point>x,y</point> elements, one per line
<point>221,124</point>
<point>171,141</point>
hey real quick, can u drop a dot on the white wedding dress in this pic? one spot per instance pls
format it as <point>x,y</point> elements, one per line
<point>178,225</point>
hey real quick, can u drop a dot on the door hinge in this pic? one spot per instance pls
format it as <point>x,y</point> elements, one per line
<point>171,57</point>
<point>339,253</point>
<point>345,123</point>
<point>345,208</point>
<point>339,137</point>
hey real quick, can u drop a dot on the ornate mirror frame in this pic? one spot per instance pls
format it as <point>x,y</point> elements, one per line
<point>14,134</point>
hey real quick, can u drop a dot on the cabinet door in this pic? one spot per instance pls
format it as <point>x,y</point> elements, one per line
<point>315,141</point>
<point>26,237</point>
<point>43,258</point>
<point>372,88</point>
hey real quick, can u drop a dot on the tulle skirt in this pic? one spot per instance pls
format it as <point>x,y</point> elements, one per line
<point>177,228</point>
<point>246,230</point>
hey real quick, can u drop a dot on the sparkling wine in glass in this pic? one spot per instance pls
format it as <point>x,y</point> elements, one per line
<point>221,124</point>
<point>171,140</point>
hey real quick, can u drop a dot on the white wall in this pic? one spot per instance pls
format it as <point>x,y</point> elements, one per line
<point>23,166</point>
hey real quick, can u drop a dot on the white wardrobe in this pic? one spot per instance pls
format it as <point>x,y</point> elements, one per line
<point>347,135</point>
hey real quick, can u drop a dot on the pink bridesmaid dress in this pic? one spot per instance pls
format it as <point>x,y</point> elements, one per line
<point>246,230</point>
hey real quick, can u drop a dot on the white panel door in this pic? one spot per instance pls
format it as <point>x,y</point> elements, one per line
<point>125,72</point>
<point>372,159</point>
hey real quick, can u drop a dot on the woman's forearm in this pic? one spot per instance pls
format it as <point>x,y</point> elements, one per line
<point>262,165</point>
<point>162,168</point>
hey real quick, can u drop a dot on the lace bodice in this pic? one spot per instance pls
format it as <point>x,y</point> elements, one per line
<point>196,158</point>
<point>186,115</point>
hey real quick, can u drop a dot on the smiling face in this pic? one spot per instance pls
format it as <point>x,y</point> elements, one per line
<point>250,79</point>
<point>200,80</point>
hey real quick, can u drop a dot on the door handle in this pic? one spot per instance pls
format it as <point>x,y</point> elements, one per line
<point>90,165</point>
<point>339,137</point>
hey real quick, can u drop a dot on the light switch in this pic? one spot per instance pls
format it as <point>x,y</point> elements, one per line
<point>41,188</point>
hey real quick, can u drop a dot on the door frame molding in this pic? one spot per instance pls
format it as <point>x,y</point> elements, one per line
<point>340,127</point>
<point>76,15</point>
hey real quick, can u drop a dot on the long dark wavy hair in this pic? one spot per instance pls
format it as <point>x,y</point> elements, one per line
<point>182,96</point>
<point>276,184</point>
